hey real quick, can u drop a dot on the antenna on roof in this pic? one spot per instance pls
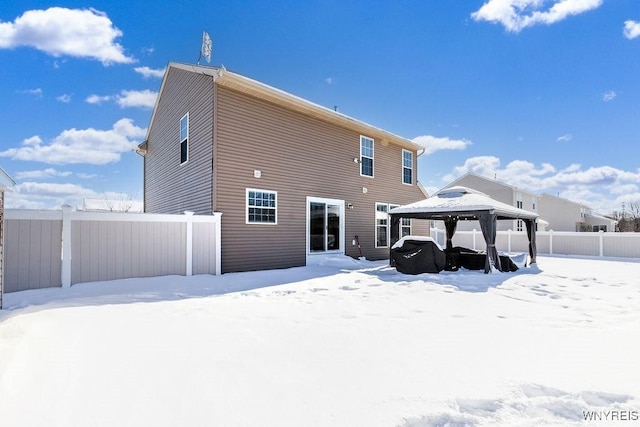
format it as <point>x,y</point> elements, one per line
<point>207,47</point>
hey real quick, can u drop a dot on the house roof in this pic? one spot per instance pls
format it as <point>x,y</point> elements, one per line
<point>6,182</point>
<point>463,203</point>
<point>223,77</point>
<point>455,182</point>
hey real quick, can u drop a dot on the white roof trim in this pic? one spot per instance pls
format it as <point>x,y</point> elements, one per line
<point>6,182</point>
<point>462,199</point>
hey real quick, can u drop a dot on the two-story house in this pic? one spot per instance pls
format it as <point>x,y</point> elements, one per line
<point>501,192</point>
<point>555,213</point>
<point>294,180</point>
<point>567,215</point>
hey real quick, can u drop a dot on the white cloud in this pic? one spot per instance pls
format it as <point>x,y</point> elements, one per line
<point>625,189</point>
<point>96,99</point>
<point>328,80</point>
<point>64,98</point>
<point>631,29</point>
<point>150,72</point>
<point>515,15</point>
<point>602,175</point>
<point>39,195</point>
<point>572,167</point>
<point>86,175</point>
<point>594,186</point>
<point>481,165</point>
<point>35,92</point>
<point>90,146</point>
<point>39,174</point>
<point>58,31</point>
<point>565,138</point>
<point>432,144</point>
<point>609,96</point>
<point>137,98</point>
<point>127,99</point>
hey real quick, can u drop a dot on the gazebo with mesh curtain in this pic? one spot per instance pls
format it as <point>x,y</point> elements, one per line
<point>460,203</point>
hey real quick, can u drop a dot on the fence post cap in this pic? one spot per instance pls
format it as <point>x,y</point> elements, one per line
<point>189,213</point>
<point>66,207</point>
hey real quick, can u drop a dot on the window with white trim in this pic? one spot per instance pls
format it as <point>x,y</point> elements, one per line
<point>261,206</point>
<point>184,138</point>
<point>366,156</point>
<point>405,224</point>
<point>519,205</point>
<point>383,221</point>
<point>407,167</point>
<point>382,225</point>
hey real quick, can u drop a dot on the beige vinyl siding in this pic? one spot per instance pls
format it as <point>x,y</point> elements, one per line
<point>298,156</point>
<point>494,189</point>
<point>169,186</point>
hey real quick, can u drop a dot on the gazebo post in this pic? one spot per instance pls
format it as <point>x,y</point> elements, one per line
<point>395,235</point>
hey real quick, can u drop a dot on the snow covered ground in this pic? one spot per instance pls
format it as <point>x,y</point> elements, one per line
<point>346,343</point>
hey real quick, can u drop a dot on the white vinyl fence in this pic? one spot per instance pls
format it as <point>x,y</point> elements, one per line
<point>59,248</point>
<point>597,244</point>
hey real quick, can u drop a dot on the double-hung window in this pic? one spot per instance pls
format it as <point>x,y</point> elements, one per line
<point>382,225</point>
<point>405,225</point>
<point>519,205</point>
<point>261,206</point>
<point>366,156</point>
<point>383,228</point>
<point>184,138</point>
<point>407,167</point>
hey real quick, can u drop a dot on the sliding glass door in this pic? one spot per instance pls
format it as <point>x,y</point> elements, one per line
<point>325,225</point>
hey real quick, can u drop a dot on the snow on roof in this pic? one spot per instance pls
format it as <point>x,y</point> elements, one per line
<point>462,200</point>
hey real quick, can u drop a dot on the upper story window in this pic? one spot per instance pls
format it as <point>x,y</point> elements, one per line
<point>519,200</point>
<point>184,138</point>
<point>261,206</point>
<point>366,156</point>
<point>407,167</point>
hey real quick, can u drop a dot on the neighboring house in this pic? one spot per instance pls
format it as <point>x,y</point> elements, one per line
<point>501,192</point>
<point>6,183</point>
<point>566,215</point>
<point>293,180</point>
<point>555,213</point>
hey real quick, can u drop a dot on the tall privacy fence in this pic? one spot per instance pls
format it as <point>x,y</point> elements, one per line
<point>59,248</point>
<point>598,244</point>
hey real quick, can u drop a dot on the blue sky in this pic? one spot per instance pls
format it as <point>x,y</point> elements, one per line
<point>540,94</point>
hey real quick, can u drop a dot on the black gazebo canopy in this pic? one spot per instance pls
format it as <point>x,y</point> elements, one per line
<point>460,203</point>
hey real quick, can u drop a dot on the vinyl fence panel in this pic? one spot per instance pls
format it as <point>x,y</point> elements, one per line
<point>60,248</point>
<point>596,244</point>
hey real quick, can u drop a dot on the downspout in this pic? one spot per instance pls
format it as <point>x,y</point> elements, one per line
<point>214,142</point>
